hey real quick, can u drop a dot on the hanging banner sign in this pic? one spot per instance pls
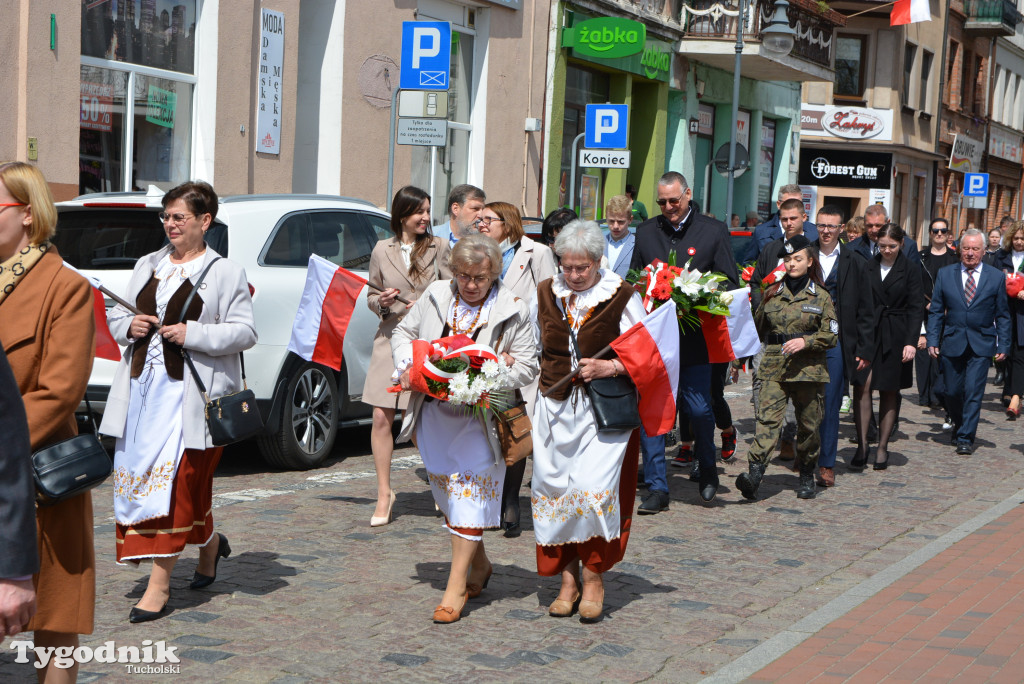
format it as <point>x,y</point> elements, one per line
<point>268,102</point>
<point>848,123</point>
<point>965,156</point>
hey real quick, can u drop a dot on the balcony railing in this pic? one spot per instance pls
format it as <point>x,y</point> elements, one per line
<point>992,17</point>
<point>718,19</point>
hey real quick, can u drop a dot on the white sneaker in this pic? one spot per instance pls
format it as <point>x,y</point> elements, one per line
<point>947,425</point>
<point>847,405</point>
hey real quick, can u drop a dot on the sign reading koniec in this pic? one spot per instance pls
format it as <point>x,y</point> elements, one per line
<point>268,101</point>
<point>848,123</point>
<point>604,159</point>
<point>845,169</point>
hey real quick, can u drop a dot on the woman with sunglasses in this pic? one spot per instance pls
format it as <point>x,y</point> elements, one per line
<point>1011,260</point>
<point>524,264</point>
<point>933,257</point>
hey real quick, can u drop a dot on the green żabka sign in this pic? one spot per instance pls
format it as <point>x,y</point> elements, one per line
<point>621,44</point>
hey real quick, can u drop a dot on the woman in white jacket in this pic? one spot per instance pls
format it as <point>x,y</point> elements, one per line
<point>164,459</point>
<point>460,451</point>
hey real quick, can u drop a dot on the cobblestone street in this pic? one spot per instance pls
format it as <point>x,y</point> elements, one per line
<point>312,593</point>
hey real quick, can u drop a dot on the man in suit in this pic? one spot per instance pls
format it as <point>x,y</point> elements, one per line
<point>704,242</point>
<point>20,557</point>
<point>772,228</point>
<point>464,205</point>
<point>618,242</point>
<point>875,216</point>
<point>844,273</point>
<point>968,324</point>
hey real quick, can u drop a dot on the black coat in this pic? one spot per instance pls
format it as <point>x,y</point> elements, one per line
<point>704,242</point>
<point>863,246</point>
<point>1004,262</point>
<point>899,312</point>
<point>855,308</point>
<point>20,554</point>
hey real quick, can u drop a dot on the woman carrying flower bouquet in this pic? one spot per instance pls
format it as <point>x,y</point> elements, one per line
<point>459,446</point>
<point>1011,260</point>
<point>584,481</point>
<point>797,323</point>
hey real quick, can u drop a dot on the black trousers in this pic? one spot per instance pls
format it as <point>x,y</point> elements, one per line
<point>719,406</point>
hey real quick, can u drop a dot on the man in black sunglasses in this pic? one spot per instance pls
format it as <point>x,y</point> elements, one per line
<point>704,243</point>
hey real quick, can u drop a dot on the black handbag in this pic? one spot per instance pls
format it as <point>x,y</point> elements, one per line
<point>613,400</point>
<point>70,467</point>
<point>234,417</point>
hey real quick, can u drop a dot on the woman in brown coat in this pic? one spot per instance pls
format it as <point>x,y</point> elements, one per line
<point>403,265</point>
<point>48,331</point>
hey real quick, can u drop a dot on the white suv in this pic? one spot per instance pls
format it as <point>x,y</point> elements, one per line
<point>271,236</point>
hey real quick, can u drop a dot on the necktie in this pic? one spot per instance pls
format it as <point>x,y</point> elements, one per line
<point>969,287</point>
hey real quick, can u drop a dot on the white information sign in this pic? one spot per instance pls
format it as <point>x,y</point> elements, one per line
<point>880,196</point>
<point>605,159</point>
<point>268,100</point>
<point>427,132</point>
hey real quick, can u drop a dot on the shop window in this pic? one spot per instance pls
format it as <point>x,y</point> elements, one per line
<point>145,48</point>
<point>582,87</point>
<point>926,73</point>
<point>850,66</point>
<point>909,53</point>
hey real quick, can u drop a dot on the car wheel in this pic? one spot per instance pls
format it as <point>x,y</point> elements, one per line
<point>309,421</point>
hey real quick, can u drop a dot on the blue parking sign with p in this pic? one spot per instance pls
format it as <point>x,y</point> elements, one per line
<point>426,55</point>
<point>606,126</point>
<point>975,185</point>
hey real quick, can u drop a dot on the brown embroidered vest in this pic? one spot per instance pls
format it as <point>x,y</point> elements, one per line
<point>601,328</point>
<point>146,302</point>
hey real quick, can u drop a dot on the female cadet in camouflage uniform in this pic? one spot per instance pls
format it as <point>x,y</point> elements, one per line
<point>796,323</point>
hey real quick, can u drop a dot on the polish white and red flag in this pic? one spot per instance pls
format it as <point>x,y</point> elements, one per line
<point>106,347</point>
<point>325,310</point>
<point>650,353</point>
<point>909,12</point>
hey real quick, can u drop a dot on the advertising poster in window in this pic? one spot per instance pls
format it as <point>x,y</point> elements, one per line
<point>271,64</point>
<point>766,168</point>
<point>743,129</point>
<point>589,186</point>
<point>97,106</point>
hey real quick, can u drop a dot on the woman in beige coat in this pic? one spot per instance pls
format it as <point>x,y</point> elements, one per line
<point>460,451</point>
<point>47,329</point>
<point>525,264</point>
<point>403,265</point>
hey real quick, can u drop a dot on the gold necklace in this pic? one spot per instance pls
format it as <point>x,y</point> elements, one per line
<point>455,316</point>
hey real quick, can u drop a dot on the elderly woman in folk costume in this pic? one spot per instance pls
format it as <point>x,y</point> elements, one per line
<point>583,480</point>
<point>461,453</point>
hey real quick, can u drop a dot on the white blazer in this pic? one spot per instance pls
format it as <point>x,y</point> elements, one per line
<point>532,264</point>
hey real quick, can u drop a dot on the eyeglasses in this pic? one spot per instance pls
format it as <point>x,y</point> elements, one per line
<point>577,269</point>
<point>829,226</point>
<point>488,220</point>
<point>12,204</point>
<point>176,219</point>
<point>671,200</point>
<point>936,231</point>
<point>476,280</point>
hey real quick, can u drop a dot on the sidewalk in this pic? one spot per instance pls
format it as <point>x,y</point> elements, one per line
<point>957,616</point>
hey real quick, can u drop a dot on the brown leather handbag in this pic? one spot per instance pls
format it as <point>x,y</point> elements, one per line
<point>515,431</point>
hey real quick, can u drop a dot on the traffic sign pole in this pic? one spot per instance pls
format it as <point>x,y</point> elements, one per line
<point>391,146</point>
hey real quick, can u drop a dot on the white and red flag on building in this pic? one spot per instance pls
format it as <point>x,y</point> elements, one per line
<point>650,353</point>
<point>106,347</point>
<point>909,12</point>
<point>328,299</point>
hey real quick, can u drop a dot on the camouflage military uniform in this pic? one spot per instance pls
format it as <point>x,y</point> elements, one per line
<point>799,377</point>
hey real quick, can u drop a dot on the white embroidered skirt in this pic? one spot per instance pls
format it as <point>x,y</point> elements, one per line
<point>464,479</point>
<point>576,472</point>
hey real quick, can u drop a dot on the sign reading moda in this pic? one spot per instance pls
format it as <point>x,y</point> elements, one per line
<point>845,169</point>
<point>268,115</point>
<point>621,44</point>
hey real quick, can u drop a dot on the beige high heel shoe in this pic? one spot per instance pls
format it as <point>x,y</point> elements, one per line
<point>384,520</point>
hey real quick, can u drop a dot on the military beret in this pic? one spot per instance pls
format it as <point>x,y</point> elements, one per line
<point>795,244</point>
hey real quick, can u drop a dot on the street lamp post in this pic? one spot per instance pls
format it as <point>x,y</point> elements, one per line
<point>778,38</point>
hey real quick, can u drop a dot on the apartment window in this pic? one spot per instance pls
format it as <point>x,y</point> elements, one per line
<point>954,49</point>
<point>978,84</point>
<point>926,73</point>
<point>967,82</point>
<point>137,83</point>
<point>850,65</point>
<point>909,52</point>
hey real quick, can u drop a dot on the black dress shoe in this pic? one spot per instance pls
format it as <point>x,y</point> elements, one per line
<point>708,492</point>
<point>963,448</point>
<point>512,530</point>
<point>137,615</point>
<point>860,459</point>
<point>695,472</point>
<point>200,580</point>
<point>655,502</point>
<point>510,518</point>
<point>880,463</point>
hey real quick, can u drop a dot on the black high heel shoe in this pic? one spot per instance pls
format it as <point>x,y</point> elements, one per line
<point>861,458</point>
<point>512,527</point>
<point>883,463</point>
<point>200,580</point>
<point>137,615</point>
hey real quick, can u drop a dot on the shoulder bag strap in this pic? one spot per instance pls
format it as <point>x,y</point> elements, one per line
<point>184,352</point>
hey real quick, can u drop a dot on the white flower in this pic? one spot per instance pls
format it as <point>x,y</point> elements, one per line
<point>726,298</point>
<point>491,369</point>
<point>460,383</point>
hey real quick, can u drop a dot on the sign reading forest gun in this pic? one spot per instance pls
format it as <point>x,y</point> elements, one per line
<point>268,101</point>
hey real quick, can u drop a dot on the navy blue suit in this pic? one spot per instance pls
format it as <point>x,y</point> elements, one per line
<point>967,338</point>
<point>768,231</point>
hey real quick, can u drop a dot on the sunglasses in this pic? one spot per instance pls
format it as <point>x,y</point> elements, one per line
<point>672,200</point>
<point>12,204</point>
<point>936,231</point>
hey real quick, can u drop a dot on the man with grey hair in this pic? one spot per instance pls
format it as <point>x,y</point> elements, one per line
<point>875,216</point>
<point>464,205</point>
<point>771,229</point>
<point>968,325</point>
<point>702,242</point>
